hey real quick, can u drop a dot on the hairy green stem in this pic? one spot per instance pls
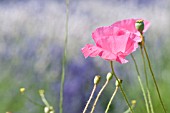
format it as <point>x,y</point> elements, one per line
<point>97,98</point>
<point>146,78</point>
<point>113,72</point>
<point>141,85</point>
<point>64,58</point>
<point>111,99</point>
<point>91,96</point>
<point>153,77</point>
<point>144,66</point>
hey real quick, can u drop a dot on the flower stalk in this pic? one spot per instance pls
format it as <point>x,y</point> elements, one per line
<point>133,105</point>
<point>113,95</point>
<point>153,77</point>
<point>64,58</point>
<point>111,64</point>
<point>47,108</point>
<point>108,78</point>
<point>96,81</point>
<point>146,78</point>
<point>22,91</point>
<point>141,85</point>
<point>140,27</point>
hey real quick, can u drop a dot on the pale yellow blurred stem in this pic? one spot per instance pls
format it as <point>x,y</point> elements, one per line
<point>97,98</point>
<point>150,101</point>
<point>44,100</point>
<point>91,96</point>
<point>141,85</point>
<point>153,77</point>
<point>113,72</point>
<point>111,99</point>
<point>128,110</point>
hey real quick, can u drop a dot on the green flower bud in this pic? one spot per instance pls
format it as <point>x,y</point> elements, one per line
<point>118,82</point>
<point>109,76</point>
<point>97,79</point>
<point>41,92</point>
<point>139,25</point>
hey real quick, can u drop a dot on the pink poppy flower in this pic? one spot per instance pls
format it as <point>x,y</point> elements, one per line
<point>129,24</point>
<point>112,44</point>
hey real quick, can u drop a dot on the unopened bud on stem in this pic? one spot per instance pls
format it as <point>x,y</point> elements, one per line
<point>109,76</point>
<point>97,79</point>
<point>118,82</point>
<point>139,25</point>
<point>41,92</point>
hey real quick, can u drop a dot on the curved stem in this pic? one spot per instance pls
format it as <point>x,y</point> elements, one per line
<point>97,98</point>
<point>153,77</point>
<point>111,99</point>
<point>44,100</point>
<point>141,85</point>
<point>111,64</point>
<point>91,96</point>
<point>64,58</point>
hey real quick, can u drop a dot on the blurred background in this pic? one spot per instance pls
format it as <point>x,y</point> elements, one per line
<point>31,48</point>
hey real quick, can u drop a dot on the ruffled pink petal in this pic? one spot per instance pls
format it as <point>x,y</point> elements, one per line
<point>102,32</point>
<point>127,24</point>
<point>131,46</point>
<point>147,25</point>
<point>121,60</point>
<point>136,37</point>
<point>91,50</point>
<point>112,39</point>
<point>117,42</point>
<point>108,55</point>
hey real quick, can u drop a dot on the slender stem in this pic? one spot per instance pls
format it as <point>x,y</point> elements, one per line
<point>141,85</point>
<point>111,99</point>
<point>64,58</point>
<point>91,96</point>
<point>153,77</point>
<point>44,100</point>
<point>150,101</point>
<point>146,78</point>
<point>33,102</point>
<point>111,64</point>
<point>144,64</point>
<point>100,92</point>
<point>128,110</point>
